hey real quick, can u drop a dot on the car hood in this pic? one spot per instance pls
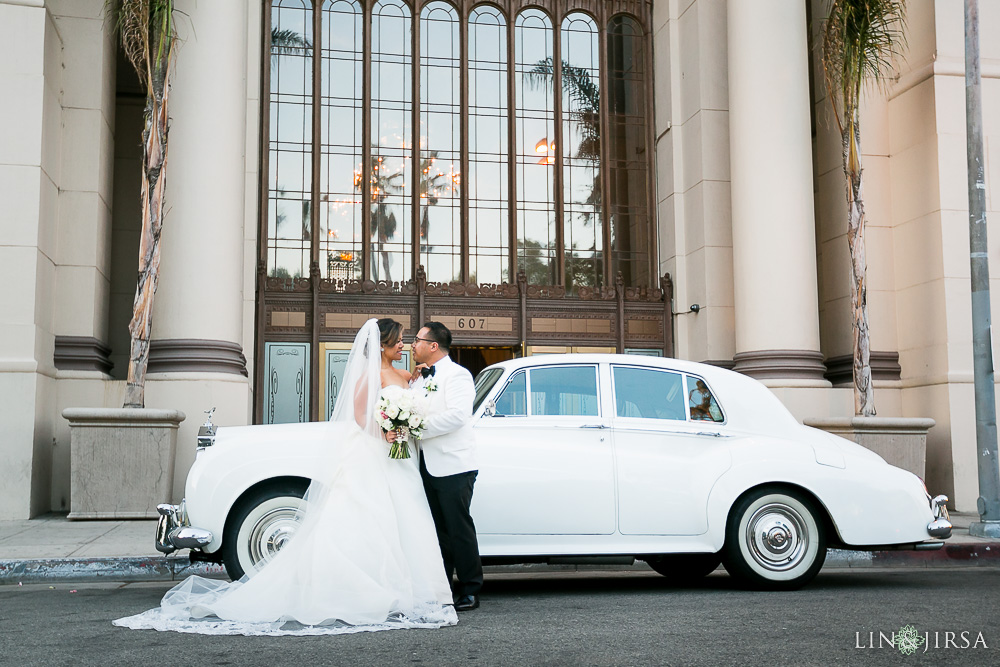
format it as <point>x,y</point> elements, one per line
<point>271,434</point>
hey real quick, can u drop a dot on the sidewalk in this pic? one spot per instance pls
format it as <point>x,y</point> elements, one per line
<point>51,548</point>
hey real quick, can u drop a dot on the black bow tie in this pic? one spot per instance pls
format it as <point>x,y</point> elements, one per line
<point>427,372</point>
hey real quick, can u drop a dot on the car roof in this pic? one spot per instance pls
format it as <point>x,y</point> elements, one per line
<point>749,404</point>
<point>602,357</point>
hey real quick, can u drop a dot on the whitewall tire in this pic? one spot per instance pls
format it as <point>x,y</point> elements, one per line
<point>259,525</point>
<point>775,539</point>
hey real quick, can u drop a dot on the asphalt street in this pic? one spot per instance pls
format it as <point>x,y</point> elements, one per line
<point>596,618</point>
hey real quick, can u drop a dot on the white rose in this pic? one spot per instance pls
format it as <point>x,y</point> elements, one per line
<point>415,421</point>
<point>404,414</point>
<point>392,411</point>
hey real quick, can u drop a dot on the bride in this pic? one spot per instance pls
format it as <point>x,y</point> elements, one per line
<point>365,556</point>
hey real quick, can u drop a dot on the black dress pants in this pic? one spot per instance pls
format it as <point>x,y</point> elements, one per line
<point>450,498</point>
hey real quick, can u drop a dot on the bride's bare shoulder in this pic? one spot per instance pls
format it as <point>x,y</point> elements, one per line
<point>395,376</point>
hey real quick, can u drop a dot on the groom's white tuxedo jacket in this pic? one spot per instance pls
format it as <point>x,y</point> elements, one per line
<point>449,441</point>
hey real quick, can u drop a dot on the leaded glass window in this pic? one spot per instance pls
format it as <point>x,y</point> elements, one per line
<point>536,146</point>
<point>440,148</point>
<point>476,140</point>
<point>289,230</point>
<point>489,167</point>
<point>342,84</point>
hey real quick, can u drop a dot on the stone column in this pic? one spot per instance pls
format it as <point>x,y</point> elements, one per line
<point>199,297</point>
<point>197,349</point>
<point>774,245</point>
<point>30,121</point>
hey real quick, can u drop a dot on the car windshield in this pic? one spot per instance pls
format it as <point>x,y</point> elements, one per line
<point>484,382</point>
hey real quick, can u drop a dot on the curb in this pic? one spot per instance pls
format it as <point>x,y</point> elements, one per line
<point>175,568</point>
<point>79,570</point>
<point>983,554</point>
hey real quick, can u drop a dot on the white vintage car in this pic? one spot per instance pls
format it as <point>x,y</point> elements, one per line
<point>600,458</point>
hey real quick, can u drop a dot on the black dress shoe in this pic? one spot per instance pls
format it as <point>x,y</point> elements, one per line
<point>467,603</point>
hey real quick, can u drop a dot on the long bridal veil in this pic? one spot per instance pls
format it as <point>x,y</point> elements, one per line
<point>365,556</point>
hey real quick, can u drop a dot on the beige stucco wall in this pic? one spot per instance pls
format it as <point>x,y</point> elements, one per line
<point>930,192</point>
<point>913,145</point>
<point>30,163</point>
<point>692,172</point>
<point>58,163</point>
<point>83,259</point>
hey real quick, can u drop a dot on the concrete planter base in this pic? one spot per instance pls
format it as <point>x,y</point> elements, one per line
<point>901,441</point>
<point>121,461</point>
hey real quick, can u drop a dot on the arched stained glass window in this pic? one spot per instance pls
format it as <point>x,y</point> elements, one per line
<point>342,83</point>
<point>581,152</point>
<point>489,167</point>
<point>535,146</point>
<point>629,151</point>
<point>289,227</point>
<point>514,139</point>
<point>440,143</point>
<point>389,173</point>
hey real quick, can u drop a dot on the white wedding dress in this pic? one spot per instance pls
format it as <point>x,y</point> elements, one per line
<point>364,558</point>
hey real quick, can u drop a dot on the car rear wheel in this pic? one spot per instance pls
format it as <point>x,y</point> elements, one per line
<point>683,569</point>
<point>259,525</point>
<point>775,539</point>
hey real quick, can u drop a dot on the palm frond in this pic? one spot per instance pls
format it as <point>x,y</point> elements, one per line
<point>862,42</point>
<point>577,81</point>
<point>147,33</point>
<point>288,43</point>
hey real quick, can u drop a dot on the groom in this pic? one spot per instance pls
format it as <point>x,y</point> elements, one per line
<point>448,460</point>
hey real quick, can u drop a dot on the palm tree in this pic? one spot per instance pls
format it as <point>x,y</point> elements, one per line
<point>862,40</point>
<point>148,37</point>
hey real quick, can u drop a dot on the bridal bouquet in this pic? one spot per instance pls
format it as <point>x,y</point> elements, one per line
<point>399,410</point>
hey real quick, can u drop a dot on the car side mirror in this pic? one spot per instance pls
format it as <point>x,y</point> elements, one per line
<point>490,409</point>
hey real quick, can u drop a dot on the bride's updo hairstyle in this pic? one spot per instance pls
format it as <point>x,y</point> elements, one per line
<point>389,331</point>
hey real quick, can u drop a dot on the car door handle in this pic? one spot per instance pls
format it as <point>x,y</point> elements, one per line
<point>711,433</point>
<point>592,426</point>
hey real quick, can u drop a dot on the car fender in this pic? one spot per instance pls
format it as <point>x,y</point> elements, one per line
<point>869,502</point>
<point>245,456</point>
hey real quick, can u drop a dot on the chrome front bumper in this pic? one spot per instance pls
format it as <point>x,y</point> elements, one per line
<point>173,531</point>
<point>940,527</point>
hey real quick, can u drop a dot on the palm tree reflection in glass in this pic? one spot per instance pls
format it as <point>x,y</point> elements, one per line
<point>382,185</point>
<point>584,111</point>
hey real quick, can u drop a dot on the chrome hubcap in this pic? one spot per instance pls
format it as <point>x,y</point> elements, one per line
<point>777,537</point>
<point>271,533</point>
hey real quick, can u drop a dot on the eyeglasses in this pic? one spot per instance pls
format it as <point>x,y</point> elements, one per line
<point>426,340</point>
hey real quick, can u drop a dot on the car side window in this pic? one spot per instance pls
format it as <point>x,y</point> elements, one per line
<point>484,382</point>
<point>564,391</point>
<point>512,402</point>
<point>648,393</point>
<point>702,404</point>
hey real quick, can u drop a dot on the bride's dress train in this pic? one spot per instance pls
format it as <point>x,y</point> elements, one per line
<point>364,558</point>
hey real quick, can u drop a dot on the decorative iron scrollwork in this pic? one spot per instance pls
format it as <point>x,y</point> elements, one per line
<point>273,284</point>
<point>600,293</point>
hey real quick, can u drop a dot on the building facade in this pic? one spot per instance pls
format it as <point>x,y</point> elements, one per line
<point>540,175</point>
